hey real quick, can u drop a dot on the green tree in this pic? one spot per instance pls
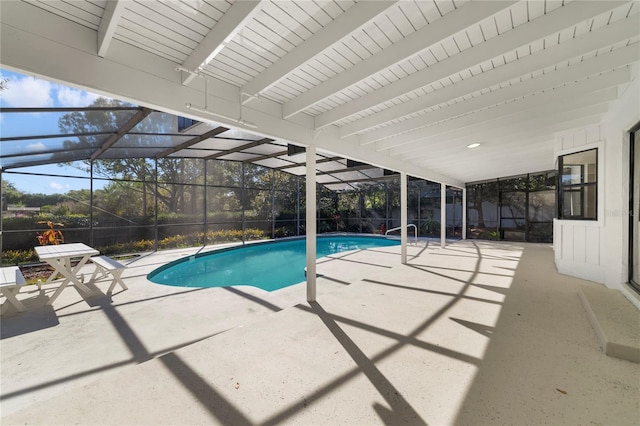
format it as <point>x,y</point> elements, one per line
<point>95,126</point>
<point>477,194</point>
<point>11,195</point>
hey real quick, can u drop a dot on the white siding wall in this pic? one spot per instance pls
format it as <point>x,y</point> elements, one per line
<point>598,250</point>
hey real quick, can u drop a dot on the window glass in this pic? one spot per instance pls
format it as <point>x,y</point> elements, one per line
<point>578,197</point>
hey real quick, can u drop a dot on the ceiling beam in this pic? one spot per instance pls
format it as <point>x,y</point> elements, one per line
<point>239,148</point>
<point>564,76</point>
<point>539,162</point>
<point>526,108</point>
<point>108,23</point>
<point>506,133</point>
<point>133,122</point>
<point>548,97</point>
<point>571,49</point>
<point>508,139</point>
<point>33,41</point>
<point>211,133</point>
<point>356,16</point>
<point>507,95</point>
<point>571,14</point>
<point>413,44</point>
<point>488,151</point>
<point>233,20</point>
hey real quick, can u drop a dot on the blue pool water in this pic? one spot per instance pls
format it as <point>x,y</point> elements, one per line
<point>269,266</point>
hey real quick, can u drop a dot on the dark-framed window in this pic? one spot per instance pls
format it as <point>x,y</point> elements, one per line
<point>578,185</point>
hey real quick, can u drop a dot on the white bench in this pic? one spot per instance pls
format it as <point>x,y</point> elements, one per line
<point>11,280</point>
<point>107,266</point>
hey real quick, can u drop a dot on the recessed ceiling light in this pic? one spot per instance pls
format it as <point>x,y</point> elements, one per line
<point>473,145</point>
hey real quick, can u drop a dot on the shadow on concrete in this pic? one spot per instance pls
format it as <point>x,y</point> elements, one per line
<point>343,258</point>
<point>485,330</point>
<point>98,370</point>
<point>401,411</point>
<point>34,319</point>
<point>439,293</point>
<point>543,364</point>
<point>219,408</point>
<point>133,302</point>
<point>253,298</point>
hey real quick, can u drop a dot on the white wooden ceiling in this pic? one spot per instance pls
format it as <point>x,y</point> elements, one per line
<point>403,84</point>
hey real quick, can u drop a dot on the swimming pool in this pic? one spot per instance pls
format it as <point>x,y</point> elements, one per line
<point>270,265</point>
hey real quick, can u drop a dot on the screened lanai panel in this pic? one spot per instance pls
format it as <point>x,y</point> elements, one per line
<point>273,162</point>
<point>138,169</point>
<point>238,156</point>
<point>194,127</point>
<point>224,173</point>
<point>154,144</point>
<point>221,143</point>
<point>230,134</point>
<point>347,176</point>
<point>60,122</point>
<point>181,170</point>
<point>195,153</point>
<point>8,162</point>
<point>257,176</point>
<point>38,145</point>
<point>300,158</point>
<point>299,171</point>
<point>262,150</point>
<point>372,173</point>
<point>339,187</point>
<point>157,122</point>
<point>131,152</point>
<point>327,179</point>
<point>330,165</point>
<point>23,160</point>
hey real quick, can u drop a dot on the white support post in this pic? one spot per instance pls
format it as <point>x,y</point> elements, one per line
<point>403,217</point>
<point>443,214</point>
<point>311,223</point>
<point>464,213</point>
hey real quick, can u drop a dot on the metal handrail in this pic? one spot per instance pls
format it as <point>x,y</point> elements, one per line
<point>415,231</point>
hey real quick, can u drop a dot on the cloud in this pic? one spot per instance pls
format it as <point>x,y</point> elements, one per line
<point>27,92</point>
<point>56,186</point>
<point>36,147</point>
<point>24,91</point>
<point>75,98</point>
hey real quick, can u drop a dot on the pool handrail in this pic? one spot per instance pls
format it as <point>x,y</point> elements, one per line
<point>415,231</point>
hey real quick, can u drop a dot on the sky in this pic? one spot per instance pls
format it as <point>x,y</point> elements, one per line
<point>27,91</point>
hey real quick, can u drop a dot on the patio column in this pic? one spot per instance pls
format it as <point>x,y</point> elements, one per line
<point>464,213</point>
<point>443,214</point>
<point>403,217</point>
<point>311,223</point>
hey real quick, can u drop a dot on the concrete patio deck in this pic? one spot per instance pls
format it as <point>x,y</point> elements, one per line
<point>475,333</point>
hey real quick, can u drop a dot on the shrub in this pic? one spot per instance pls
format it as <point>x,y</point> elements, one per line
<point>430,227</point>
<point>14,257</point>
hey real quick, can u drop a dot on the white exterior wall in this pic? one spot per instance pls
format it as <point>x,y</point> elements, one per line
<point>598,250</point>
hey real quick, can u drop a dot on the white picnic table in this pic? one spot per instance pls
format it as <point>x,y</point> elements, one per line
<point>60,256</point>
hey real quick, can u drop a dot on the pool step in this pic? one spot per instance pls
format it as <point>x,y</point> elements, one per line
<point>615,320</point>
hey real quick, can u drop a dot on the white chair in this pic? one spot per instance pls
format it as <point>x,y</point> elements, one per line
<point>107,266</point>
<point>11,280</point>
